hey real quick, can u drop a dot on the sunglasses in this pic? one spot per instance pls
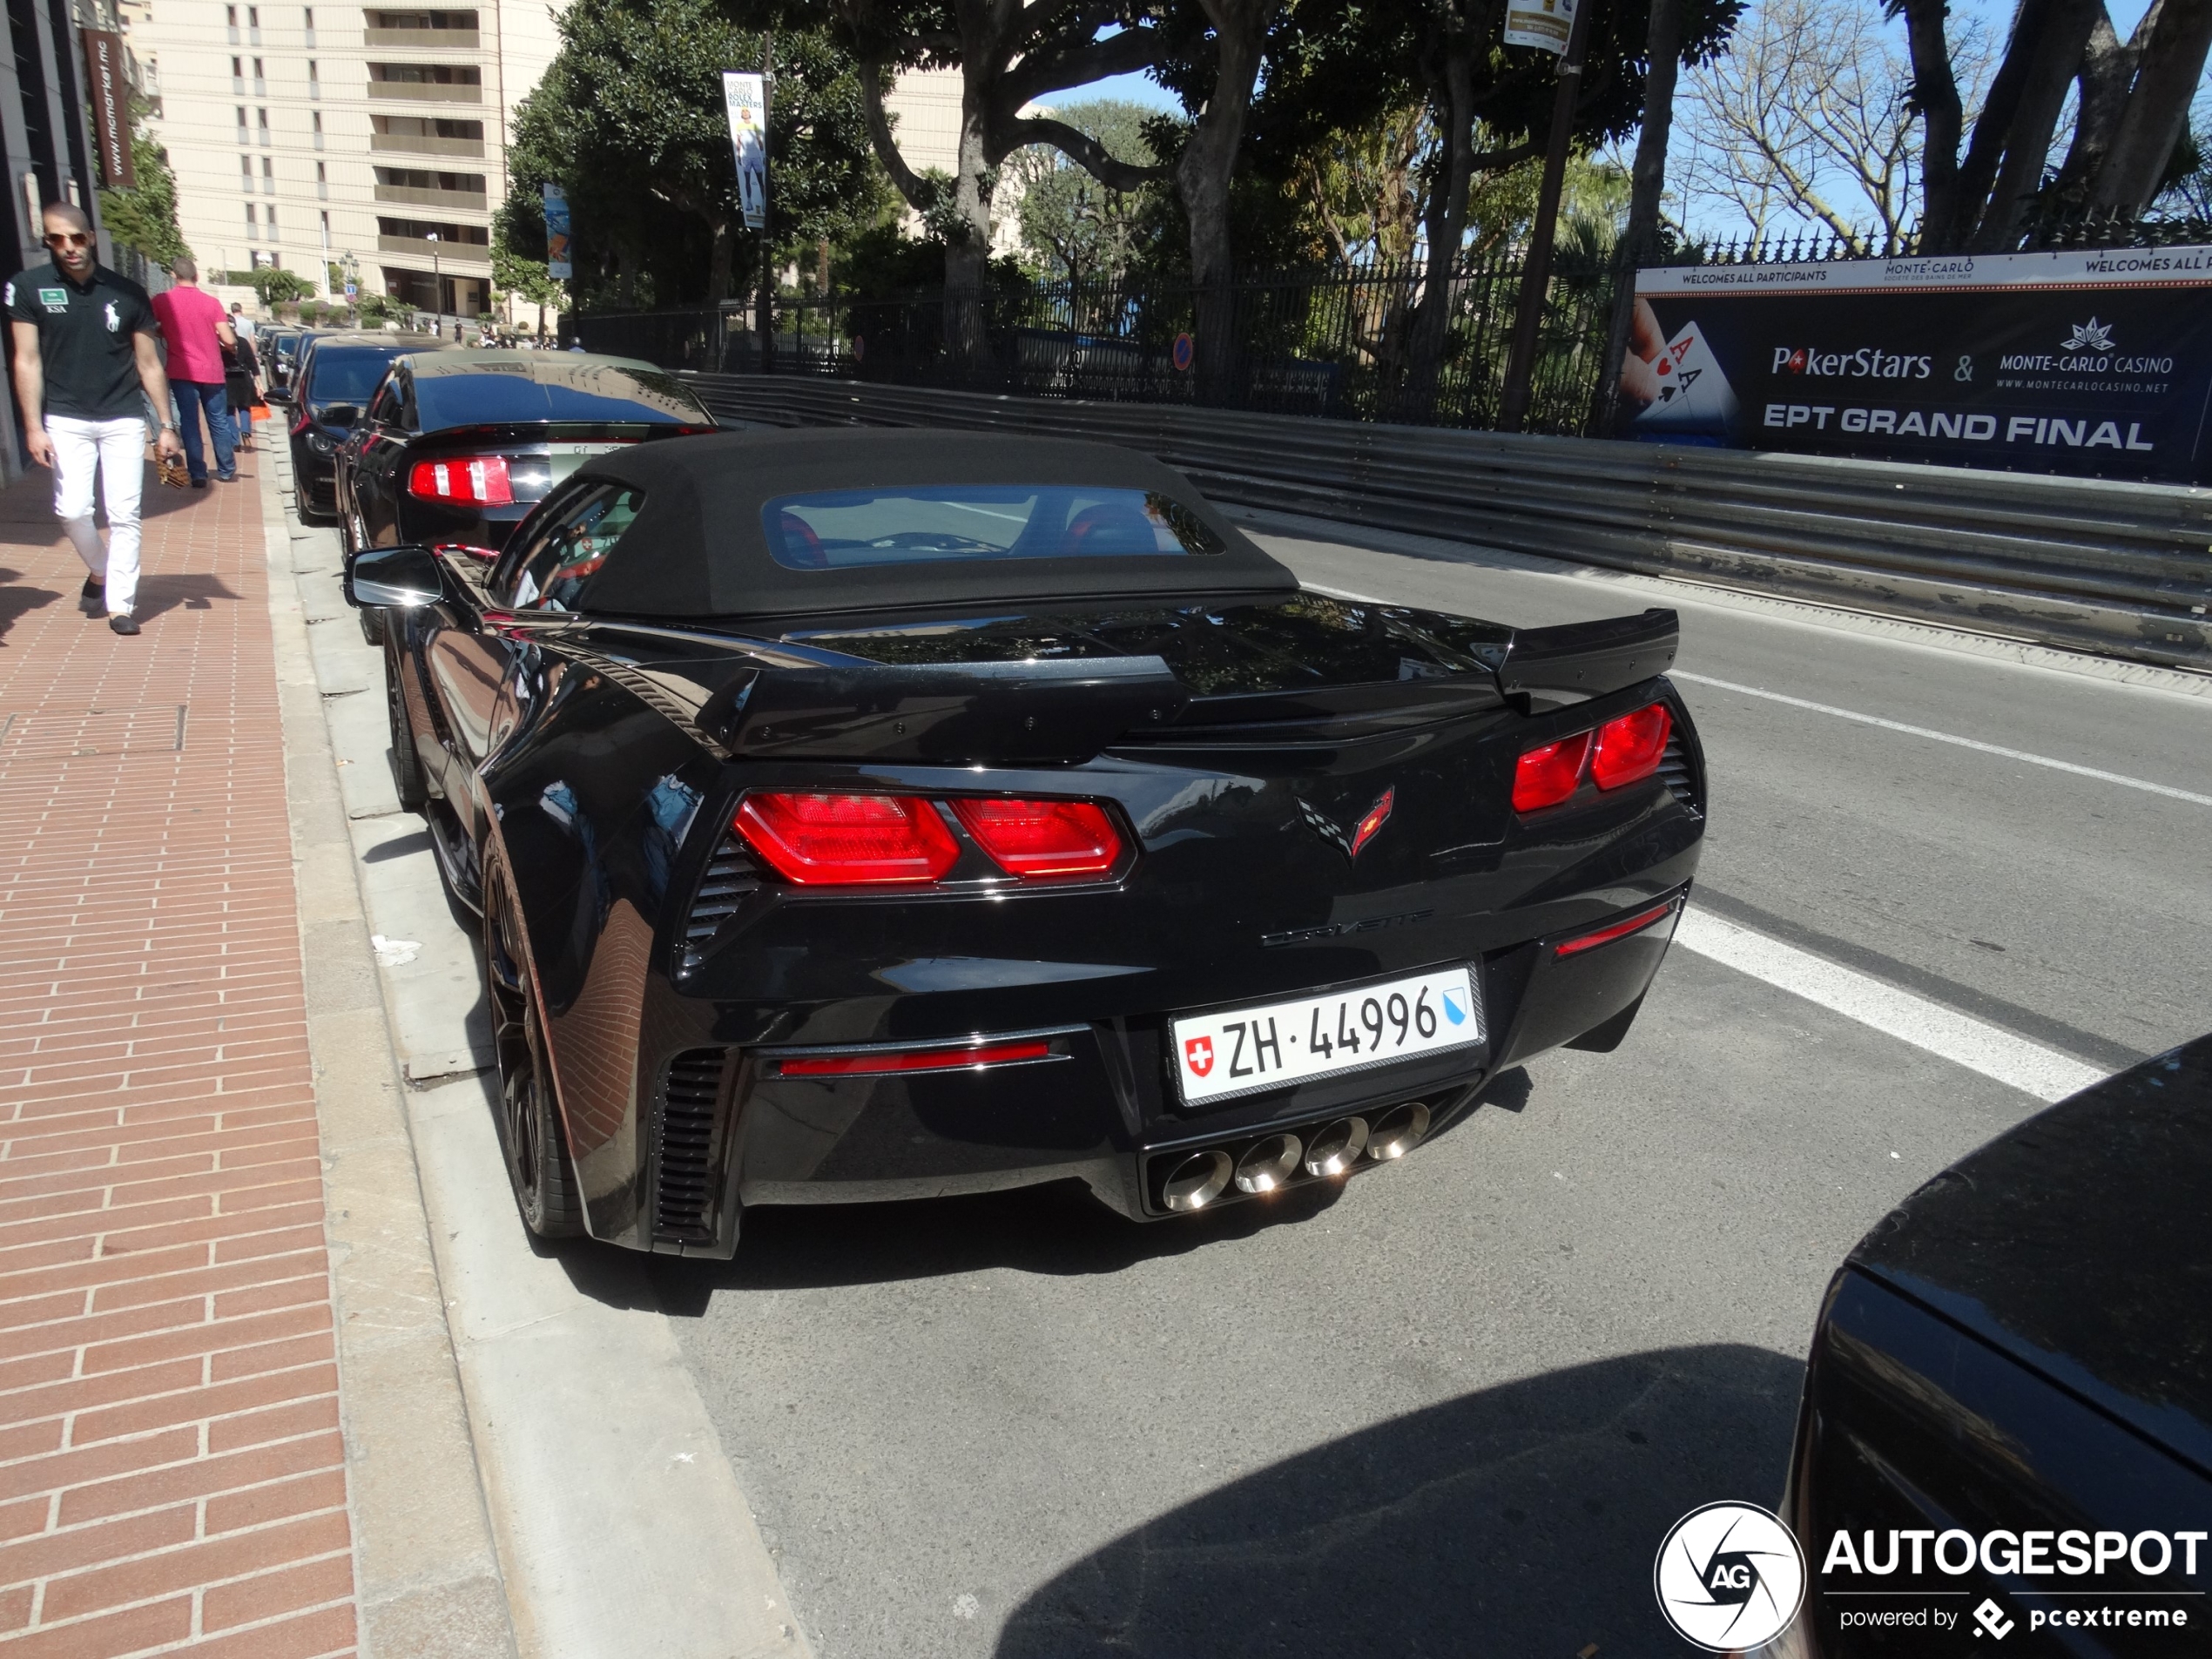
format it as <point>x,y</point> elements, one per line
<point>68,238</point>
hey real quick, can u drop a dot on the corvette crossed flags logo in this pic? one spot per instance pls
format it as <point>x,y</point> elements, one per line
<point>1349,842</point>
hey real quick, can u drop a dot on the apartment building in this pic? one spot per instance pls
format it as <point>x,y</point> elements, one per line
<point>343,142</point>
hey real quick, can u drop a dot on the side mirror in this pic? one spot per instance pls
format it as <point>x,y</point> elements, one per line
<point>402,577</point>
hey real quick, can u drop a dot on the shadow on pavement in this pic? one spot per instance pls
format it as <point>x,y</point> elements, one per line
<point>16,603</point>
<point>1057,1230</point>
<point>192,590</point>
<point>1520,1520</point>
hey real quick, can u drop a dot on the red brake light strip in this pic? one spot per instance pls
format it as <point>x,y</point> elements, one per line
<point>969,1057</point>
<point>1635,924</point>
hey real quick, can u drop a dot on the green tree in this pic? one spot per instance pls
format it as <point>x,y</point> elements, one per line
<point>144,216</point>
<point>275,285</point>
<point>630,120</point>
<point>1074,225</point>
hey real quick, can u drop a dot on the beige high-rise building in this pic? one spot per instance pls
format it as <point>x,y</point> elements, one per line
<point>372,139</point>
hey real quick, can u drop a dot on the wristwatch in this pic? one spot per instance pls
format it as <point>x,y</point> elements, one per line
<point>165,427</point>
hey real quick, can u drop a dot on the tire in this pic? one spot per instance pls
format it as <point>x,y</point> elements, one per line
<point>371,619</point>
<point>406,764</point>
<point>531,1137</point>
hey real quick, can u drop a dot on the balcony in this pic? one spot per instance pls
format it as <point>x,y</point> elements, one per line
<point>450,255</point>
<point>412,144</point>
<point>467,201</point>
<point>459,40</point>
<point>426,91</point>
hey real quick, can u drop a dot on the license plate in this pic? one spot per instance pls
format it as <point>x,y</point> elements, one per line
<point>1241,1051</point>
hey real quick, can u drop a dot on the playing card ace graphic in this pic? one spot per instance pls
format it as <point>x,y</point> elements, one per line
<point>1695,398</point>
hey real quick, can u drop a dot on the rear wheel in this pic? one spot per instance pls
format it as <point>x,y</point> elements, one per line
<point>536,1151</point>
<point>406,763</point>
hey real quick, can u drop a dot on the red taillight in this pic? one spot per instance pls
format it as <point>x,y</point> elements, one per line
<point>1631,747</point>
<point>468,548</point>
<point>847,841</point>
<point>465,481</point>
<point>1635,924</point>
<point>1547,776</point>
<point>973,1056</point>
<point>1043,837</point>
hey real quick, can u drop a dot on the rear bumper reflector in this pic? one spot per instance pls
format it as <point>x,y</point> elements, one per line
<point>1635,924</point>
<point>969,1057</point>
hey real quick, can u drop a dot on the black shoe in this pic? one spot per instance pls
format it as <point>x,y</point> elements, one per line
<point>93,589</point>
<point>199,483</point>
<point>123,622</point>
<point>92,598</point>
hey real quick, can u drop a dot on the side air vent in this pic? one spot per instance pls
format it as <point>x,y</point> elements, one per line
<point>1676,771</point>
<point>730,877</point>
<point>684,1199</point>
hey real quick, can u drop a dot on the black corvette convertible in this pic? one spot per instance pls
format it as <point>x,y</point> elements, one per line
<point>866,814</point>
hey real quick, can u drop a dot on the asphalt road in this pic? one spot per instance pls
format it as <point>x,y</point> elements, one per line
<point>1454,1411</point>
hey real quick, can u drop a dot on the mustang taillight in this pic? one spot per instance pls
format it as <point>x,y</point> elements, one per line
<point>1042,838</point>
<point>847,841</point>
<point>465,481</point>
<point>967,1057</point>
<point>1623,750</point>
<point>853,840</point>
<point>1629,748</point>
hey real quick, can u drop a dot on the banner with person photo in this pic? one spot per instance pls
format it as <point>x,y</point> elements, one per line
<point>2091,364</point>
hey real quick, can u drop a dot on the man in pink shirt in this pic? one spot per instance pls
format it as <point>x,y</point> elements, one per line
<point>196,328</point>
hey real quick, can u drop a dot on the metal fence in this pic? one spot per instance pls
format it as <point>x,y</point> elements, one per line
<point>1341,342</point>
<point>2116,569</point>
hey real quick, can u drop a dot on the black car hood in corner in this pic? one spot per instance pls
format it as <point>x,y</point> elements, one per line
<point>2079,1244</point>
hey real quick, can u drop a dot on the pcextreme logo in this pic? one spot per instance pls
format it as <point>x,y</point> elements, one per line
<point>1730,1577</point>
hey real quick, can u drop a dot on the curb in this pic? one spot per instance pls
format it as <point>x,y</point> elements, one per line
<point>427,1576</point>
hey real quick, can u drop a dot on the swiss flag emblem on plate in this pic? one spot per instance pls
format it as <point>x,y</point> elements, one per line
<point>1198,1054</point>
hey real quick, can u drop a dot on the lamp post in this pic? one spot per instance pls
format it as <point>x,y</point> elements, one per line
<point>437,287</point>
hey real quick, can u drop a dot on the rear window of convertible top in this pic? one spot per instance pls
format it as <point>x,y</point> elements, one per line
<point>836,530</point>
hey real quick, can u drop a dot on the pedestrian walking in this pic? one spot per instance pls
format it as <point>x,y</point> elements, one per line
<point>198,330</point>
<point>241,385</point>
<point>86,368</point>
<point>242,325</point>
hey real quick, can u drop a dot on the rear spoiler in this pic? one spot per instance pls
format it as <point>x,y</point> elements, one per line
<point>1590,658</point>
<point>1046,712</point>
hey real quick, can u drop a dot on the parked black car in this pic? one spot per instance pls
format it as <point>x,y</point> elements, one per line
<point>458,446</point>
<point>331,386</point>
<point>279,349</point>
<point>2007,1416</point>
<point>862,814</point>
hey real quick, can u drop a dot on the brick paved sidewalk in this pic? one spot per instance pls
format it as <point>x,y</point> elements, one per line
<point>171,1475</point>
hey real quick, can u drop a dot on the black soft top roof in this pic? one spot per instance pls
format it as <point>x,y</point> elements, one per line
<point>699,548</point>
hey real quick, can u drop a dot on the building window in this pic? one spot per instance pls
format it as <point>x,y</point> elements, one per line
<point>261,80</point>
<point>309,14</point>
<point>314,79</point>
<point>322,184</point>
<point>271,217</point>
<point>268,177</point>
<point>326,232</point>
<point>230,22</point>
<point>238,74</point>
<point>241,124</point>
<point>318,120</point>
<point>253,24</point>
<point>245,174</point>
<point>262,124</point>
<point>253,225</point>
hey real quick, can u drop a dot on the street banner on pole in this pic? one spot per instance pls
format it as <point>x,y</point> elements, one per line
<point>111,95</point>
<point>560,264</point>
<point>1544,24</point>
<point>747,98</point>
<point>2086,363</point>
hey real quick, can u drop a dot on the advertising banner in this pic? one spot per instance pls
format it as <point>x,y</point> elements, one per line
<point>2093,364</point>
<point>110,91</point>
<point>560,261</point>
<point>747,98</point>
<point>1542,23</point>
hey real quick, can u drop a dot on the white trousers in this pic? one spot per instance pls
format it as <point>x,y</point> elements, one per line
<point>117,451</point>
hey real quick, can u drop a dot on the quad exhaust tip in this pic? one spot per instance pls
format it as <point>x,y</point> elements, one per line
<point>1398,1131</point>
<point>1197,1181</point>
<point>1267,1163</point>
<point>1335,1148</point>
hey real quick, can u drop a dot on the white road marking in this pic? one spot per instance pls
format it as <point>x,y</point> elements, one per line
<point>2144,785</point>
<point>1990,1050</point>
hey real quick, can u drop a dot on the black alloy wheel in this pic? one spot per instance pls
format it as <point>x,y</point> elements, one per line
<point>406,762</point>
<point>536,1151</point>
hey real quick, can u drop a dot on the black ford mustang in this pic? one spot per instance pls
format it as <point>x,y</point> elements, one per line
<point>863,814</point>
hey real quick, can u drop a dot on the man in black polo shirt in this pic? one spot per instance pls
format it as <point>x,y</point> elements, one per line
<point>85,352</point>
